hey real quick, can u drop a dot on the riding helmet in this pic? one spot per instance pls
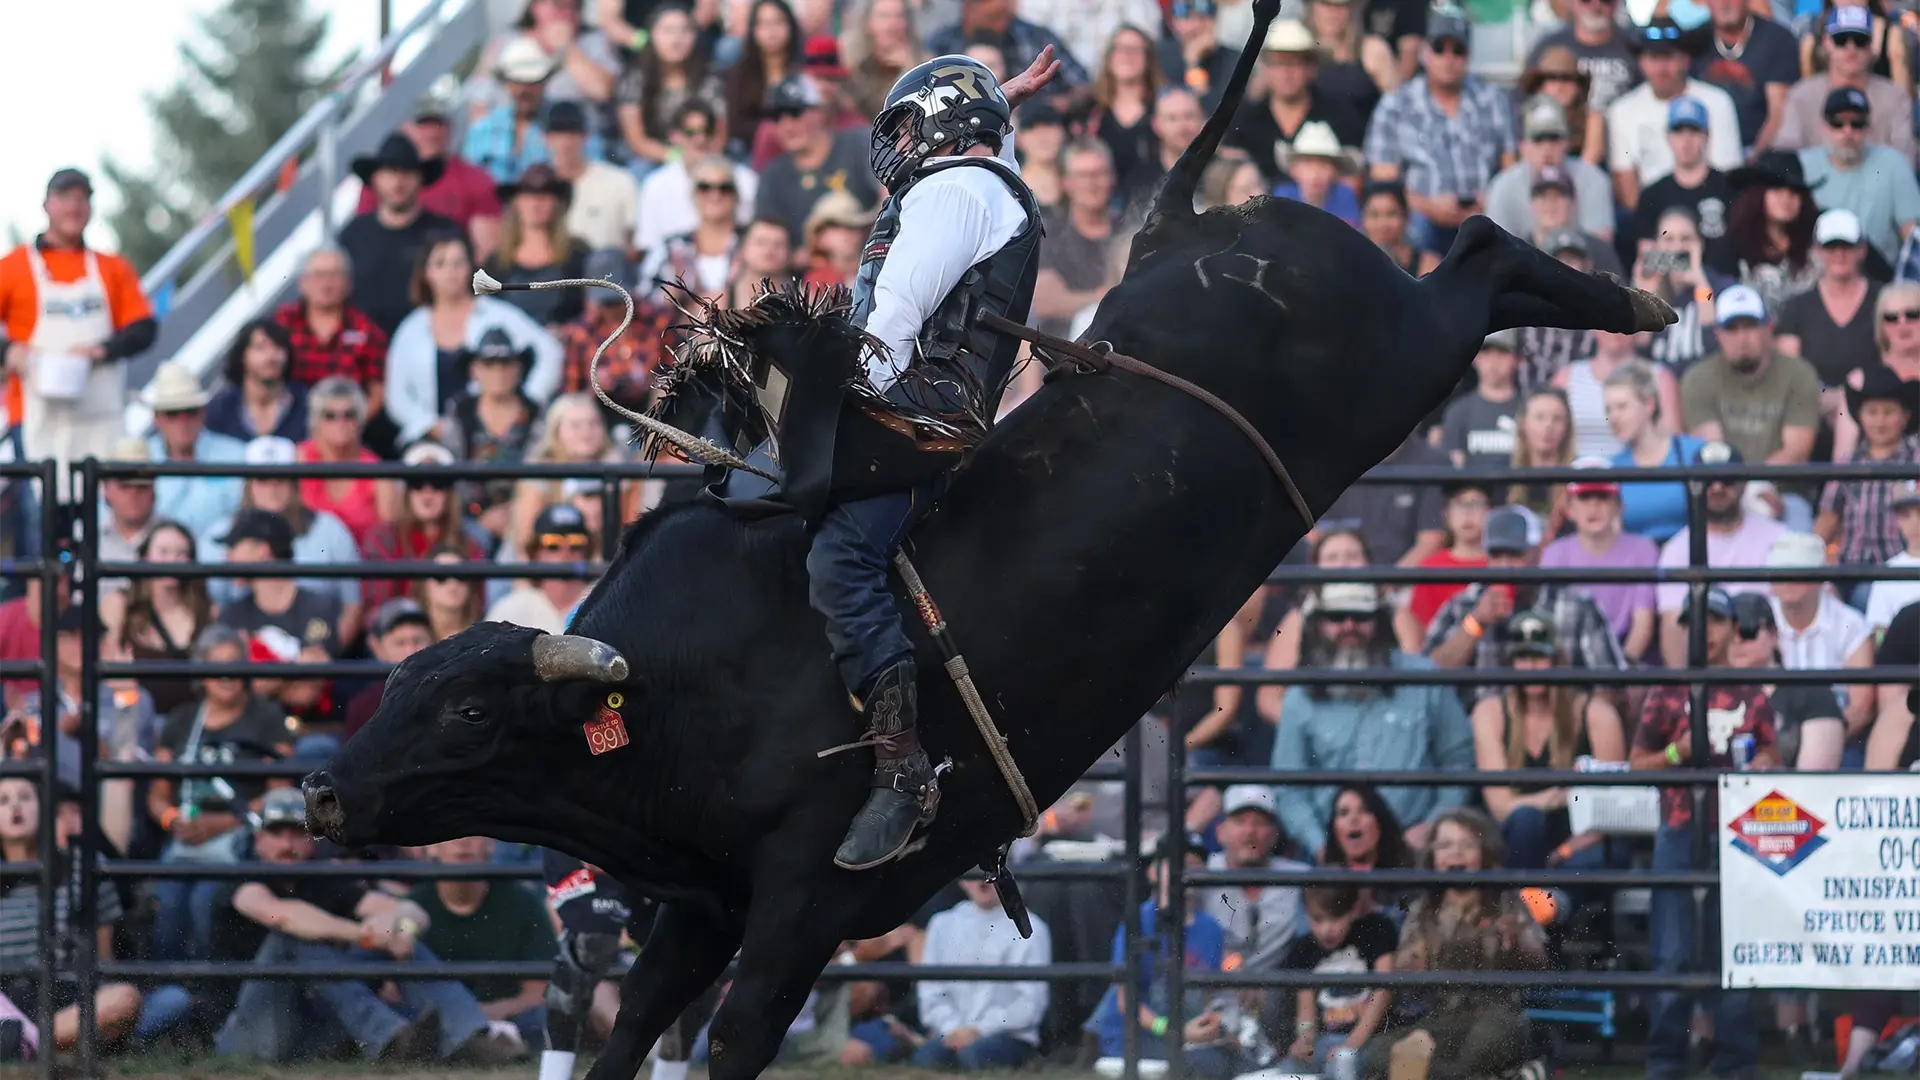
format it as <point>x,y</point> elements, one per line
<point>947,104</point>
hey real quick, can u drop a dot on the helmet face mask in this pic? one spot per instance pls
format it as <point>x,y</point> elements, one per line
<point>945,105</point>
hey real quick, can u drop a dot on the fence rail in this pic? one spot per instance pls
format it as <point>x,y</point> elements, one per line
<point>1124,872</point>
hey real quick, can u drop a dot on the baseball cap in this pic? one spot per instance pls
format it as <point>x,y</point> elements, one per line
<point>263,525</point>
<point>1846,99</point>
<point>281,806</point>
<point>1508,340</point>
<point>1529,633</point>
<point>427,452</point>
<point>1249,797</point>
<point>68,178</point>
<point>1905,493</point>
<point>270,450</point>
<point>1719,604</point>
<point>796,93</point>
<point>1566,240</point>
<point>1179,842</point>
<point>1739,302</point>
<point>1449,28</point>
<point>562,521</point>
<point>395,612</point>
<point>1797,551</point>
<point>1552,178</point>
<point>1837,226</point>
<point>1596,486</point>
<point>1347,597</point>
<point>1659,35</point>
<point>822,57</point>
<point>1718,453</point>
<point>1508,530</point>
<point>1686,112</point>
<point>566,118</point>
<point>1543,118</point>
<point>1850,20</point>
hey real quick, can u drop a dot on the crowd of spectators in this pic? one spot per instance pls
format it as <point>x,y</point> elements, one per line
<point>1754,165</point>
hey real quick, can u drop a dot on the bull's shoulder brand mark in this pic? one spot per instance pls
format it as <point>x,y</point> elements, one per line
<point>572,887</point>
<point>607,732</point>
<point>1778,832</point>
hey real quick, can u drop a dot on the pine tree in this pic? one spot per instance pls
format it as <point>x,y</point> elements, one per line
<point>248,77</point>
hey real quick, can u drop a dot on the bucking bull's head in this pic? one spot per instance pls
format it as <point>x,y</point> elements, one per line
<point>468,727</point>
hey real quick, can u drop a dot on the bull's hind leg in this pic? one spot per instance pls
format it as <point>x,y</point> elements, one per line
<point>1529,287</point>
<point>686,951</point>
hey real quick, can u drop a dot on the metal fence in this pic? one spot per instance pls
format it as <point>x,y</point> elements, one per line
<point>1125,873</point>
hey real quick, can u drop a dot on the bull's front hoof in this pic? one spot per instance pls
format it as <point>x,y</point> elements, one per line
<point>1649,311</point>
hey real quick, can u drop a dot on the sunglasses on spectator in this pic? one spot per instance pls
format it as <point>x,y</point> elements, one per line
<point>1346,618</point>
<point>332,416</point>
<point>177,414</point>
<point>558,542</point>
<point>1449,48</point>
<point>707,187</point>
<point>448,581</point>
<point>1851,41</point>
<point>1845,123</point>
<point>431,483</point>
<point>1900,316</point>
<point>785,114</point>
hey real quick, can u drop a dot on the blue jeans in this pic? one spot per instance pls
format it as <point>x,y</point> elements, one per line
<point>1670,1022</point>
<point>183,918</point>
<point>1000,1051</point>
<point>160,1009</point>
<point>278,1020</point>
<point>847,575</point>
<point>316,750</point>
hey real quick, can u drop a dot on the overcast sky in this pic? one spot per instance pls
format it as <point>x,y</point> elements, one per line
<point>90,62</point>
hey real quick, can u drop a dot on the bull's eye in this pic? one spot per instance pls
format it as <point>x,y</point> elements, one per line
<point>473,714</point>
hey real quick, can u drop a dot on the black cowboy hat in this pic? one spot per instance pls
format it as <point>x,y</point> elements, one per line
<point>537,179</point>
<point>398,152</point>
<point>1878,381</point>
<point>1773,169</point>
<point>495,346</point>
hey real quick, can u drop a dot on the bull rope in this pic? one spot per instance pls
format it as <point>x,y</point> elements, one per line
<point>956,665</point>
<point>704,451</point>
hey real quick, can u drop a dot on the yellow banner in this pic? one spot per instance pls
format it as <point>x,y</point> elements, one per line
<point>240,218</point>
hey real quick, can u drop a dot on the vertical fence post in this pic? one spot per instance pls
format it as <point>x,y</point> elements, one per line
<point>49,574</point>
<point>1699,750</point>
<point>1170,922</point>
<point>1135,805</point>
<point>83,877</point>
<point>609,515</point>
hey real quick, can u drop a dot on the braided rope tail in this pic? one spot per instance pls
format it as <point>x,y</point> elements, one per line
<point>704,451</point>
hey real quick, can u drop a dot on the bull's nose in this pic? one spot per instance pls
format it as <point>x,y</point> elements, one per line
<point>324,816</point>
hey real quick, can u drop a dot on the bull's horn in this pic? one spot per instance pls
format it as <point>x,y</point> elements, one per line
<point>570,656</point>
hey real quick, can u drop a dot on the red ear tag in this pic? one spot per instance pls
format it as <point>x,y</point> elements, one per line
<point>607,732</point>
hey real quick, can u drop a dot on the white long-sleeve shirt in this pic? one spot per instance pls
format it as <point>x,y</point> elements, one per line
<point>413,364</point>
<point>949,222</point>
<point>970,934</point>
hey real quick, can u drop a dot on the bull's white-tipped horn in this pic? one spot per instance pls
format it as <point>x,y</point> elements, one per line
<point>558,657</point>
<point>484,284</point>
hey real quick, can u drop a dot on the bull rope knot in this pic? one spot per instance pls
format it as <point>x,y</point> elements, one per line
<point>704,451</point>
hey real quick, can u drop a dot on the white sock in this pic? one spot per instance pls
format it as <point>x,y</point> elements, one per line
<point>669,1070</point>
<point>556,1065</point>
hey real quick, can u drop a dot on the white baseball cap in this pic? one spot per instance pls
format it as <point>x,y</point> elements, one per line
<point>1838,226</point>
<point>270,450</point>
<point>1739,302</point>
<point>1249,797</point>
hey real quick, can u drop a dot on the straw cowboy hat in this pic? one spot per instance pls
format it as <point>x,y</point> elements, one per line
<point>1290,36</point>
<point>174,389</point>
<point>1556,62</point>
<point>837,208</point>
<point>1317,140</point>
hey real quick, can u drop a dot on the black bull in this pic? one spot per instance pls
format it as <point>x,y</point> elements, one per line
<point>1093,545</point>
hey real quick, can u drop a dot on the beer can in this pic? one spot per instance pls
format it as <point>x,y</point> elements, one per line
<point>1343,1063</point>
<point>1742,750</point>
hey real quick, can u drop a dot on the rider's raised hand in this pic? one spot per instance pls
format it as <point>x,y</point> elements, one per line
<point>1033,80</point>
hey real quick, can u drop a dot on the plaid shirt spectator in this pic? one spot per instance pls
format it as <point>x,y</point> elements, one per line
<point>1583,631</point>
<point>626,371</point>
<point>358,351</point>
<point>489,144</point>
<point>1868,535</point>
<point>1440,154</point>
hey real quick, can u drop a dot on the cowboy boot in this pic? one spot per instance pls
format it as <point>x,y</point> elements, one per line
<point>905,788</point>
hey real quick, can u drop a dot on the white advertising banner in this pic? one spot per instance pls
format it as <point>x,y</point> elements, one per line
<point>1820,880</point>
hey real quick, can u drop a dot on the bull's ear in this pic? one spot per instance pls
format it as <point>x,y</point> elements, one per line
<point>561,657</point>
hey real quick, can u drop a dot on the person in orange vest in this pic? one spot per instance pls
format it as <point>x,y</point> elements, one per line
<point>71,315</point>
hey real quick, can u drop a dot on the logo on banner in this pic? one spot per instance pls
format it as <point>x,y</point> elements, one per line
<point>1778,832</point>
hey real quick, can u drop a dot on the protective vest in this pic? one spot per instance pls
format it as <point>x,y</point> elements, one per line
<point>1002,283</point>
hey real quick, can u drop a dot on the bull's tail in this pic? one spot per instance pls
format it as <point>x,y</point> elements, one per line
<point>1183,180</point>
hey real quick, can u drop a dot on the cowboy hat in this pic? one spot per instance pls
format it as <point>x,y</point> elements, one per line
<point>1316,139</point>
<point>836,208</point>
<point>1557,61</point>
<point>522,60</point>
<point>174,389</point>
<point>1878,382</point>
<point>537,179</point>
<point>1773,169</point>
<point>398,152</point>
